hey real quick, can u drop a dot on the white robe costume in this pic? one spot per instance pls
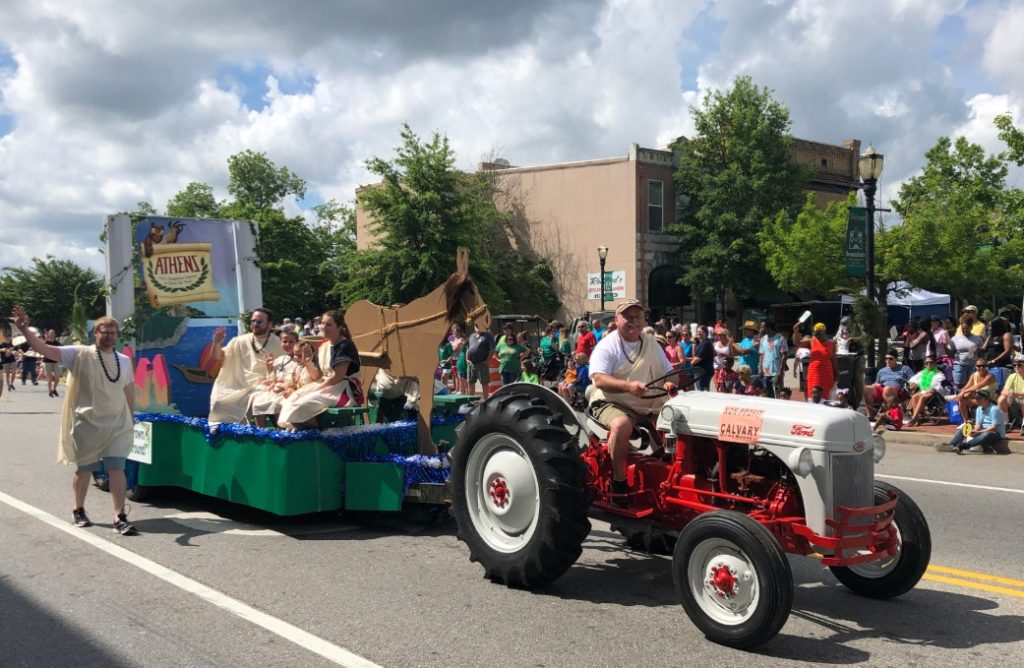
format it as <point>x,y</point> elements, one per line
<point>287,374</point>
<point>306,403</point>
<point>243,368</point>
<point>96,421</point>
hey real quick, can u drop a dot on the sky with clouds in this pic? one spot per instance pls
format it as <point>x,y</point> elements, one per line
<point>105,104</point>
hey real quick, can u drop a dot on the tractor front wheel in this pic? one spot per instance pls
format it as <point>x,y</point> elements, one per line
<point>899,573</point>
<point>517,491</point>
<point>733,579</point>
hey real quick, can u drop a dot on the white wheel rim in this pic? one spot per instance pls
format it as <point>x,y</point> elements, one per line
<point>724,581</point>
<point>502,493</point>
<point>880,567</point>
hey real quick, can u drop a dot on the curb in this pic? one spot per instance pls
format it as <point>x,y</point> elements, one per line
<point>931,440</point>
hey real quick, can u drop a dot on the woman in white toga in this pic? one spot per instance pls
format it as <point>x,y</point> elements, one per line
<point>335,383</point>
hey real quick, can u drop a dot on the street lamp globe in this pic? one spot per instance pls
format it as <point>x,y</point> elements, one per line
<point>602,252</point>
<point>870,164</point>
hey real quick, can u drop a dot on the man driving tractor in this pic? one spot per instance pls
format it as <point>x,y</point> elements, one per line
<point>624,363</point>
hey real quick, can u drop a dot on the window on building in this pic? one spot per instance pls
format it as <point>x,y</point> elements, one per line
<point>655,206</point>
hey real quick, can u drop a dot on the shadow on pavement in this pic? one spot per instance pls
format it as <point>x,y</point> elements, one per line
<point>32,636</point>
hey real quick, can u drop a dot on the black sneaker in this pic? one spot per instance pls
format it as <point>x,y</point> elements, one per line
<point>124,527</point>
<point>80,518</point>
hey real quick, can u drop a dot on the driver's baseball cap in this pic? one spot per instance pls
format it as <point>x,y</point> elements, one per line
<point>627,304</point>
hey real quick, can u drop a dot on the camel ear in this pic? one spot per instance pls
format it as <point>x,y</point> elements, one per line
<point>462,260</point>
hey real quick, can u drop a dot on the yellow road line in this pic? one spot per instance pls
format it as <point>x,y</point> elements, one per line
<point>976,576</point>
<point>974,585</point>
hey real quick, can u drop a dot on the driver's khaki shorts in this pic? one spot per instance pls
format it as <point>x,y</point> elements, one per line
<point>606,411</point>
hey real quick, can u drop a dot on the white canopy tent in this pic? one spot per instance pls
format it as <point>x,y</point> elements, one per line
<point>918,302</point>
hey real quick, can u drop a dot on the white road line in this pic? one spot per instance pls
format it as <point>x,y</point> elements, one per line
<point>304,639</point>
<point>953,484</point>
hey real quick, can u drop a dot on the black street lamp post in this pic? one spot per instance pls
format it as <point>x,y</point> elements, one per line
<point>602,255</point>
<point>870,168</point>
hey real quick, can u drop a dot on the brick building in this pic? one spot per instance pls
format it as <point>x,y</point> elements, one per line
<point>564,211</point>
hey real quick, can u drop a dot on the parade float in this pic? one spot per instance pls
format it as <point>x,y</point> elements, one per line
<point>175,281</point>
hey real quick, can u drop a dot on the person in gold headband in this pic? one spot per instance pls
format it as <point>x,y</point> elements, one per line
<point>823,369</point>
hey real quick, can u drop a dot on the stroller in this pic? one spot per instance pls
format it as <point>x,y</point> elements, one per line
<point>551,369</point>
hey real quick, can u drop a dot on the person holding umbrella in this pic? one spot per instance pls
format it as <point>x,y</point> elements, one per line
<point>97,421</point>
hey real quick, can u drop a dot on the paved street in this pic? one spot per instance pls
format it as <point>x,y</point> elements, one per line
<point>212,584</point>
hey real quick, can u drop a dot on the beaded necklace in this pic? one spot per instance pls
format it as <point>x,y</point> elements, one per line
<point>103,365</point>
<point>252,342</point>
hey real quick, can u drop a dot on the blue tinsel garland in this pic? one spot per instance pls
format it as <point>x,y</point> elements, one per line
<point>351,444</point>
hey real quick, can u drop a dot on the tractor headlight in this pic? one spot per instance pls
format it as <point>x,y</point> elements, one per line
<point>879,450</point>
<point>668,414</point>
<point>801,462</point>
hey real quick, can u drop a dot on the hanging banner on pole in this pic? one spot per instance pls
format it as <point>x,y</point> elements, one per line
<point>857,241</point>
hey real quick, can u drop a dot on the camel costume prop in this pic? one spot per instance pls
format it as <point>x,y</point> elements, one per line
<point>403,340</point>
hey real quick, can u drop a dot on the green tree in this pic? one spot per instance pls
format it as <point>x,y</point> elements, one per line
<point>421,211</point>
<point>195,201</point>
<point>1013,136</point>
<point>258,185</point>
<point>816,239</point>
<point>738,172</point>
<point>961,230</point>
<point>48,289</point>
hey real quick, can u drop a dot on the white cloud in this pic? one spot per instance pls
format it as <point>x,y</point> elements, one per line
<point>109,111</point>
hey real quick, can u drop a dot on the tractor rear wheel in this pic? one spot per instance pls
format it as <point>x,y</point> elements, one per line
<point>899,573</point>
<point>518,491</point>
<point>733,579</point>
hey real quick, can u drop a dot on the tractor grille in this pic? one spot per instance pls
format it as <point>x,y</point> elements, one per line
<point>853,481</point>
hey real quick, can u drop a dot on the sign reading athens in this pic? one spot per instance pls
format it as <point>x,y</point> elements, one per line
<point>178,273</point>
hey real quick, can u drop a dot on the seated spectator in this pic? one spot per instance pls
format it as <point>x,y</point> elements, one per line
<point>981,379</point>
<point>530,373</point>
<point>924,384</point>
<point>747,383</point>
<point>842,399</point>
<point>577,378</point>
<point>785,393</point>
<point>988,429</point>
<point>891,379</point>
<point>815,397</point>
<point>1011,399</point>
<point>891,417</point>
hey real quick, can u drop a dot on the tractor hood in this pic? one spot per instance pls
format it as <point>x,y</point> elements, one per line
<point>737,418</point>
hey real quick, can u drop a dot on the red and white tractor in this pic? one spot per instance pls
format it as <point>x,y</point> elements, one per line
<point>735,482</point>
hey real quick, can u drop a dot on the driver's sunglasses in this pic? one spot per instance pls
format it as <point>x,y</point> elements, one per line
<point>257,321</point>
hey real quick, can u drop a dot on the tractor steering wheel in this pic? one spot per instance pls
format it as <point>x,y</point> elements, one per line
<point>691,375</point>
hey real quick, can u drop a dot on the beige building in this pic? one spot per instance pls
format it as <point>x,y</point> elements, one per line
<point>565,211</point>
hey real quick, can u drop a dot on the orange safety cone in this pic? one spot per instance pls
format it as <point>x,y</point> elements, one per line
<point>495,383</point>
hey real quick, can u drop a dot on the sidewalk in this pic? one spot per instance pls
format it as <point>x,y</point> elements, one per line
<point>933,434</point>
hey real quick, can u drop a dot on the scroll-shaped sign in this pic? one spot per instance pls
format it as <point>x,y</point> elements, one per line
<point>179,274</point>
<point>740,425</point>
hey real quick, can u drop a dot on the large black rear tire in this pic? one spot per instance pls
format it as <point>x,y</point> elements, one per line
<point>733,579</point>
<point>518,491</point>
<point>898,574</point>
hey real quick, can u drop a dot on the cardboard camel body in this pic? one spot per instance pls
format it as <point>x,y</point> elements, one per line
<point>404,340</point>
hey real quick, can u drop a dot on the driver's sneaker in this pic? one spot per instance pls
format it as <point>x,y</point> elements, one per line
<point>620,493</point>
<point>80,518</point>
<point>124,527</point>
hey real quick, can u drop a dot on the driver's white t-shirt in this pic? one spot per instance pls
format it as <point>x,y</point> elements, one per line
<point>610,354</point>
